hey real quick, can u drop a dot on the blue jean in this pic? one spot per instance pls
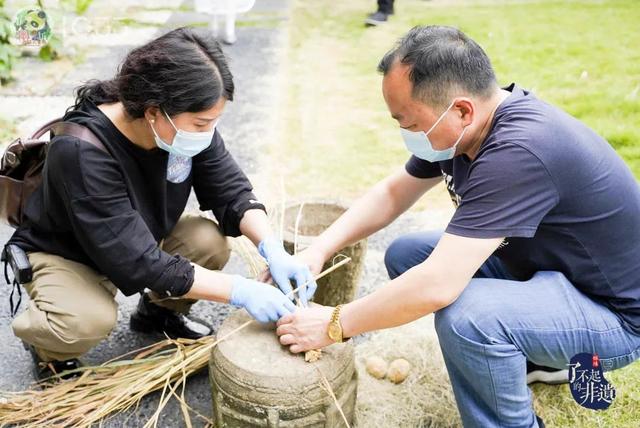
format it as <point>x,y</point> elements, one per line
<point>498,323</point>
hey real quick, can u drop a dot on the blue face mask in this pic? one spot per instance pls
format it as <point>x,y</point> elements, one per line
<point>185,143</point>
<point>418,143</point>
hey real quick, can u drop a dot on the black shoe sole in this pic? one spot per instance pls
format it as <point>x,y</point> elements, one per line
<point>41,374</point>
<point>142,325</point>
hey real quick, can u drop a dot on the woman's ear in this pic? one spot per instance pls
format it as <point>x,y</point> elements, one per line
<point>151,114</point>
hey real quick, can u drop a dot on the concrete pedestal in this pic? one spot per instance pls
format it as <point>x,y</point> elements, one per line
<point>256,382</point>
<point>341,285</point>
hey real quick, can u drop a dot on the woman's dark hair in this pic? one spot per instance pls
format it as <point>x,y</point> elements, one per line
<point>184,70</point>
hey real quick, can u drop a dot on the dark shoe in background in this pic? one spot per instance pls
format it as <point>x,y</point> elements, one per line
<point>46,370</point>
<point>377,18</point>
<point>550,375</point>
<point>151,318</point>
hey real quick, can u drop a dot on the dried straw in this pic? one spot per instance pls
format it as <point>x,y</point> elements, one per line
<point>324,384</point>
<point>117,385</point>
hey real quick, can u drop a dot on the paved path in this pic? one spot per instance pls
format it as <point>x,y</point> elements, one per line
<point>43,91</point>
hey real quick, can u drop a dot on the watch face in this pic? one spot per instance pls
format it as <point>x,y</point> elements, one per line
<point>335,332</point>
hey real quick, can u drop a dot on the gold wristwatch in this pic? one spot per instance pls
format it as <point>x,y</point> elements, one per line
<point>335,328</point>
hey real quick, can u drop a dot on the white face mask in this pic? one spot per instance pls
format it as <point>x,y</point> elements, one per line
<point>419,144</point>
<point>185,143</point>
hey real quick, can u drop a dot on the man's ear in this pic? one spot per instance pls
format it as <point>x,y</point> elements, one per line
<point>466,109</point>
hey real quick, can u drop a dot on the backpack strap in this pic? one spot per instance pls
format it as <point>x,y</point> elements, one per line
<point>44,128</point>
<point>59,127</point>
<point>79,131</point>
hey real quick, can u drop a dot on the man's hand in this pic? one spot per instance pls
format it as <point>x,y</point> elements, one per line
<point>312,258</point>
<point>283,267</point>
<point>305,329</point>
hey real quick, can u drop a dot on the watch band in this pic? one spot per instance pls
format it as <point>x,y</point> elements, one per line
<point>335,316</point>
<point>335,321</point>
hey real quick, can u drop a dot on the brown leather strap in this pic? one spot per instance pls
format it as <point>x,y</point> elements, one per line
<point>45,128</point>
<point>58,127</point>
<point>79,131</point>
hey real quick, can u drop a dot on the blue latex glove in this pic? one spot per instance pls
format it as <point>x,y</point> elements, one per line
<point>283,267</point>
<point>263,302</point>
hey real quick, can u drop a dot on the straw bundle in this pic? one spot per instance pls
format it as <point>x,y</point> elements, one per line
<point>117,385</point>
<point>112,387</point>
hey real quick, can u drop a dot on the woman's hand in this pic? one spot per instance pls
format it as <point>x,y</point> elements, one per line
<point>284,267</point>
<point>313,258</point>
<point>263,302</point>
<point>305,329</point>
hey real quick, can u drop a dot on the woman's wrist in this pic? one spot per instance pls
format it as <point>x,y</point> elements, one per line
<point>255,226</point>
<point>269,245</point>
<point>210,285</point>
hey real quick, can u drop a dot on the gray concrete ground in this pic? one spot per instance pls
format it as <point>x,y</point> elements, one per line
<point>43,91</point>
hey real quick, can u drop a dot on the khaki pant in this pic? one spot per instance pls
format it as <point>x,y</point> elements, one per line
<point>73,307</point>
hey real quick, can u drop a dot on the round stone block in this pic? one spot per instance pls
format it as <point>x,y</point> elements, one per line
<point>256,382</point>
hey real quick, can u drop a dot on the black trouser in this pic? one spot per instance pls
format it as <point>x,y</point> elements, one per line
<point>385,6</point>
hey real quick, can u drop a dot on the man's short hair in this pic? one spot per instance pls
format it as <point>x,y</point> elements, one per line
<point>443,63</point>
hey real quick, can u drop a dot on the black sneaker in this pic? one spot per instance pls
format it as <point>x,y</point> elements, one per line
<point>151,318</point>
<point>540,422</point>
<point>376,18</point>
<point>50,371</point>
<point>550,375</point>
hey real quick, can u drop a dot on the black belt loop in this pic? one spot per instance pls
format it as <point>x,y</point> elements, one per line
<point>5,259</point>
<point>15,284</point>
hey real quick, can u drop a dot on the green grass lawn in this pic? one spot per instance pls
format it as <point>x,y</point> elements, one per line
<point>556,406</point>
<point>583,56</point>
<point>337,137</point>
